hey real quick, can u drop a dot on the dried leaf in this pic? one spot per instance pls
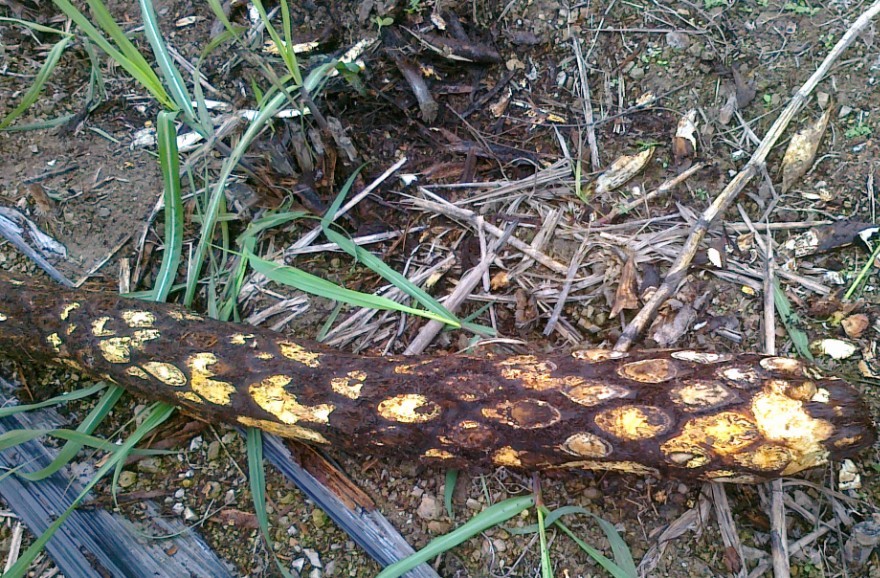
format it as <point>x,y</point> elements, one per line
<point>725,115</point>
<point>745,242</point>
<point>834,348</point>
<point>827,237</point>
<point>684,143</point>
<point>526,309</point>
<point>626,296</point>
<point>622,170</point>
<point>672,326</point>
<point>802,151</point>
<point>499,280</point>
<point>848,477</point>
<point>855,325</point>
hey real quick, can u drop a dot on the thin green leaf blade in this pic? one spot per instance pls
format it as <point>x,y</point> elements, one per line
<point>491,516</point>
<point>30,97</point>
<point>317,286</point>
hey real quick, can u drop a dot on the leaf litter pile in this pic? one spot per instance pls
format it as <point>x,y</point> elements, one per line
<point>683,175</point>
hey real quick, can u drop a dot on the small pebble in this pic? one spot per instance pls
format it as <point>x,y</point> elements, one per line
<point>127,479</point>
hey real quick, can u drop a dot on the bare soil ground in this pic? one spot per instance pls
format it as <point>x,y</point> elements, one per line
<point>516,115</point>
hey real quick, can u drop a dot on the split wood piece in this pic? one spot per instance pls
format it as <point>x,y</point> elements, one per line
<point>742,418</point>
<point>352,510</point>
<point>95,542</point>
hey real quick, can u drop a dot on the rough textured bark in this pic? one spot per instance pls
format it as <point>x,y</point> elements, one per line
<point>681,413</point>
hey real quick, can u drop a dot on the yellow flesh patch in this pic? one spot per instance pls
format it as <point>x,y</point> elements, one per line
<point>137,372</point>
<point>141,336</point>
<point>77,366</point>
<point>215,391</point>
<point>765,457</point>
<point>649,370</point>
<point>598,355</point>
<point>65,313</point>
<point>740,376</point>
<point>349,386</point>
<point>634,422</point>
<point>99,329</point>
<point>621,466</point>
<point>190,396</point>
<point>3,317</point>
<point>240,338</point>
<point>507,456</point>
<point>271,395</point>
<point>701,357</point>
<point>166,373</point>
<point>138,319</point>
<point>701,395</point>
<point>684,455</point>
<point>587,445</point>
<point>298,353</point>
<point>55,342</point>
<point>594,394</point>
<point>409,408</point>
<point>787,365</point>
<point>725,433</point>
<point>438,454</point>
<point>284,430</point>
<point>523,414</point>
<point>116,349</point>
<point>782,419</point>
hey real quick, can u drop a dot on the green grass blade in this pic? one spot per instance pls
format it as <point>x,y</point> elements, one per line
<point>87,426</point>
<point>377,265</point>
<point>220,15</point>
<point>546,564</point>
<point>792,322</point>
<point>863,273</point>
<point>491,516</point>
<point>169,161</point>
<point>449,491</point>
<point>119,453</point>
<point>30,97</point>
<point>321,287</point>
<point>596,555</point>
<point>270,221</point>
<point>169,71</point>
<point>285,50</point>
<point>58,399</point>
<point>201,108</point>
<point>288,42</point>
<point>623,565</point>
<point>211,212</point>
<point>34,26</point>
<point>223,37</point>
<point>105,20</point>
<point>19,436</point>
<point>137,68</point>
<point>257,479</point>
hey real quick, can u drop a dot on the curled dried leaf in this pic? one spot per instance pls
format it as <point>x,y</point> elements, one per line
<point>801,151</point>
<point>626,296</point>
<point>855,325</point>
<point>499,280</point>
<point>684,143</point>
<point>622,170</point>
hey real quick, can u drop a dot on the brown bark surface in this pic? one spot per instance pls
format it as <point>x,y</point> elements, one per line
<point>680,413</point>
